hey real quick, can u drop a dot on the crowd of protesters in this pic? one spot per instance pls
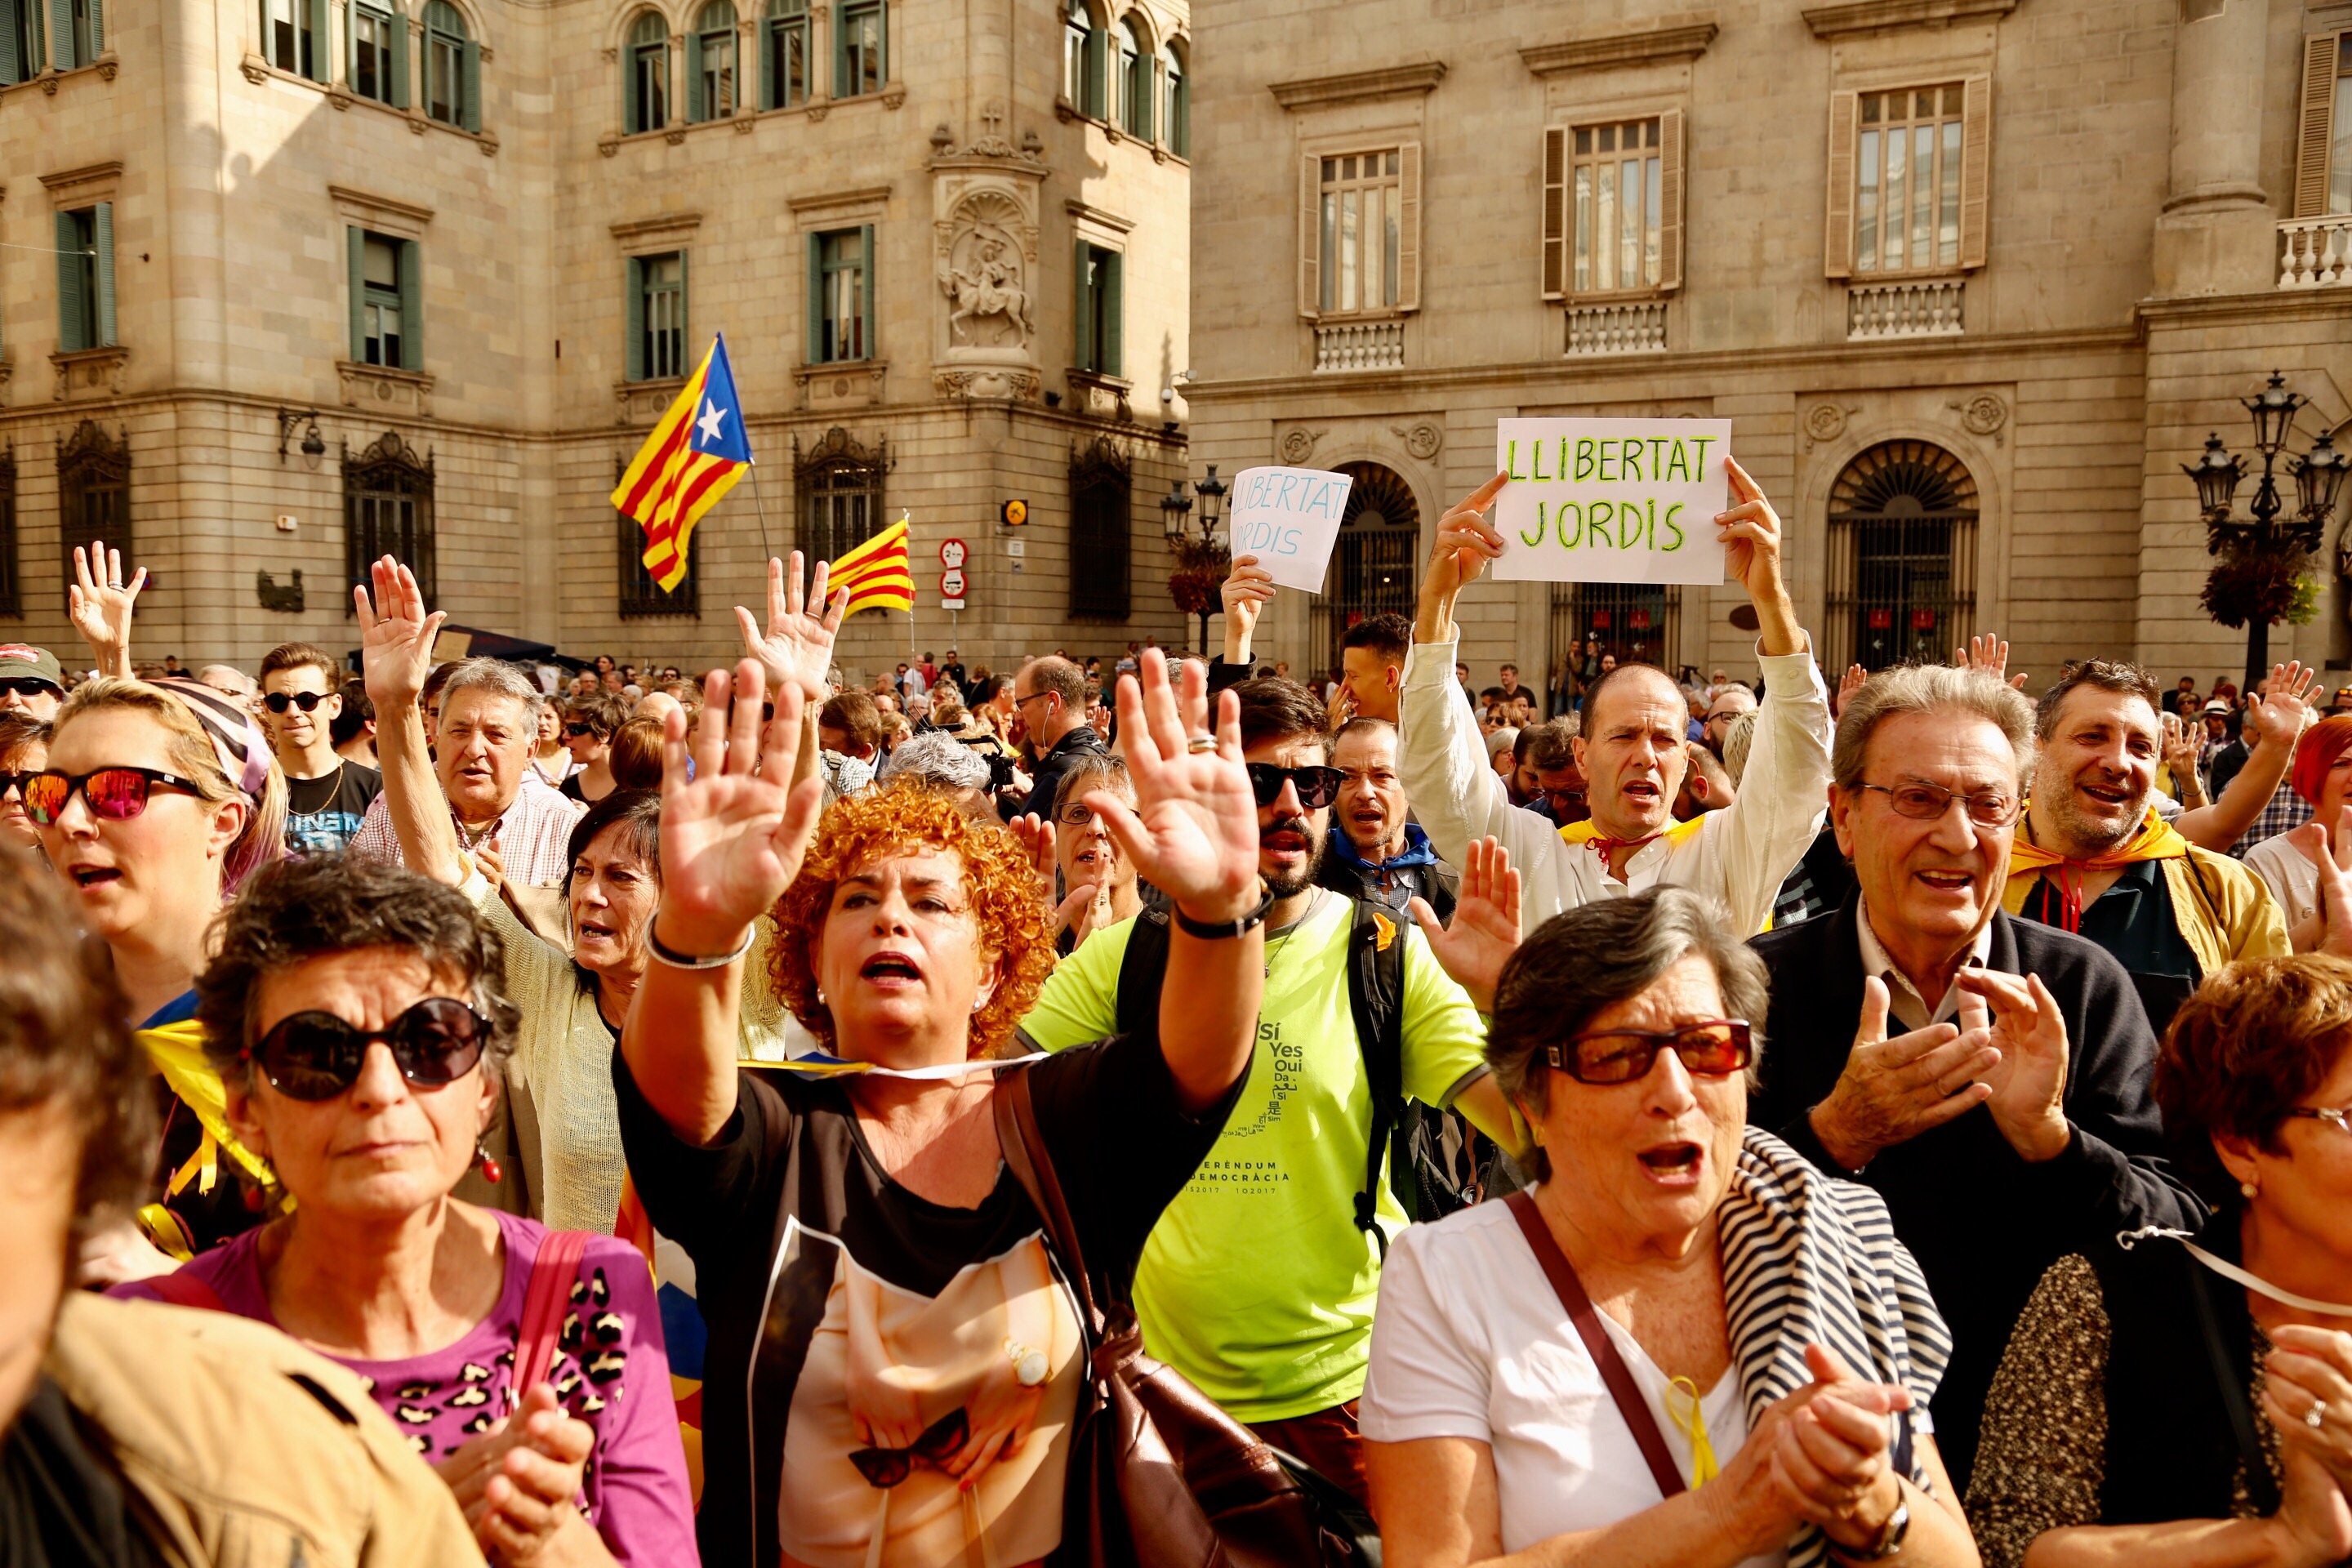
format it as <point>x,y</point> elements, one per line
<point>462,1111</point>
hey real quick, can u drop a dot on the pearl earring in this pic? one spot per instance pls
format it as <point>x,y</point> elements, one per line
<point>977,1006</point>
<point>2249,1188</point>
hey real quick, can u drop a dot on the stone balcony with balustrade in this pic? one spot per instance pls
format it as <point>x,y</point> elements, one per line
<point>1359,345</point>
<point>1913,308</point>
<point>2315,252</point>
<point>1632,327</point>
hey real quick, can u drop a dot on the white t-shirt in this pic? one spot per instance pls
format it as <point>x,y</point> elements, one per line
<point>1472,1342</point>
<point>2290,876</point>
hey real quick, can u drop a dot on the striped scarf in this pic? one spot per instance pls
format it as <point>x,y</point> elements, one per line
<point>1810,1259</point>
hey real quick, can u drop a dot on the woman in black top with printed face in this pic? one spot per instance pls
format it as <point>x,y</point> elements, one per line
<point>894,1369</point>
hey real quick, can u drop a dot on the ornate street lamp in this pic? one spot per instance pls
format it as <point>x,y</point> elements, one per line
<point>1200,563</point>
<point>2262,560</point>
<point>1174,508</point>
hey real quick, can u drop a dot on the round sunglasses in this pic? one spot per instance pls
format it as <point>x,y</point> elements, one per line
<point>1715,1049</point>
<point>315,1056</point>
<point>279,701</point>
<point>116,794</point>
<point>1317,786</point>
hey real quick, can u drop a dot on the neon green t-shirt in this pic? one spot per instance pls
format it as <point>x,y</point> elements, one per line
<point>1255,1284</point>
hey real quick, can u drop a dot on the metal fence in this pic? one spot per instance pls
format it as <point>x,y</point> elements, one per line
<point>1901,587</point>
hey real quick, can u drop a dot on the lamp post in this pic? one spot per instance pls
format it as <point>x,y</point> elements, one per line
<point>1199,563</point>
<point>2259,560</point>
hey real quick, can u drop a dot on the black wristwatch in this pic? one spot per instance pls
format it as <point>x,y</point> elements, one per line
<point>1215,930</point>
<point>1889,1542</point>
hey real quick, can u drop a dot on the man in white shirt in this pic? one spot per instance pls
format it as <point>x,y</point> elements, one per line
<point>1631,749</point>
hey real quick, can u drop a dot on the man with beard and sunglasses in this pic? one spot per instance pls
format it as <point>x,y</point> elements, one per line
<point>327,797</point>
<point>1258,1283</point>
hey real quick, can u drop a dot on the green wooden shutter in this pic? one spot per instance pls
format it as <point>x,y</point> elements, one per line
<point>815,355</point>
<point>61,34</point>
<point>103,226</point>
<point>1082,308</point>
<point>634,310</point>
<point>469,83</point>
<point>355,241</point>
<point>1097,51</point>
<point>96,29</point>
<point>1113,324</point>
<point>696,109</point>
<point>684,321</point>
<point>11,70</point>
<point>351,43</point>
<point>841,50</point>
<point>632,107</point>
<point>70,308</point>
<point>764,37</point>
<point>322,63</point>
<point>882,35</point>
<point>399,31</point>
<point>412,306</point>
<point>866,306</point>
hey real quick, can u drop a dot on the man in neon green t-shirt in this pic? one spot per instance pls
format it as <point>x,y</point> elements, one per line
<point>1257,1283</point>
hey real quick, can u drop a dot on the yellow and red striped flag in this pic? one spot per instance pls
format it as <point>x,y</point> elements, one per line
<point>876,573</point>
<point>694,457</point>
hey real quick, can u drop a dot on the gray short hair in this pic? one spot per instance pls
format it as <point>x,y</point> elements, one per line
<point>1551,987</point>
<point>1929,689</point>
<point>1737,741</point>
<point>933,758</point>
<point>497,677</point>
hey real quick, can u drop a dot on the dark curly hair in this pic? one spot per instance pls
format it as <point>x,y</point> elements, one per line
<point>2255,1040</point>
<point>324,904</point>
<point>63,1041</point>
<point>903,818</point>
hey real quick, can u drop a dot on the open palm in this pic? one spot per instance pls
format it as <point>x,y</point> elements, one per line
<point>797,649</point>
<point>732,839</point>
<point>1192,831</point>
<point>1485,931</point>
<point>100,601</point>
<point>396,636</point>
<point>2279,714</point>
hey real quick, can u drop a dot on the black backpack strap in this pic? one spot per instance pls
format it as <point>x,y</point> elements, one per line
<point>1140,970</point>
<point>1376,998</point>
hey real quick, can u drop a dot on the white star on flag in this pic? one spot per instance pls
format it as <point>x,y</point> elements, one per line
<point>709,423</point>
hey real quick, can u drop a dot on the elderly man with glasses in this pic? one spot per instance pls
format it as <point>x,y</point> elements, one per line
<point>1989,1076</point>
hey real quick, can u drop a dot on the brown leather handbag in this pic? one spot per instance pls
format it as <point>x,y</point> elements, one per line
<point>1160,1476</point>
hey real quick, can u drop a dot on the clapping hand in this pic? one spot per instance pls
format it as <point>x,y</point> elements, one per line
<point>2278,715</point>
<point>396,645</point>
<point>732,839</point>
<point>1485,931</point>
<point>517,1482</point>
<point>1818,1455</point>
<point>1894,1090</point>
<point>1988,654</point>
<point>1192,831</point>
<point>797,650</point>
<point>2332,860</point>
<point>2310,1369</point>
<point>1036,837</point>
<point>100,602</point>
<point>2028,1083</point>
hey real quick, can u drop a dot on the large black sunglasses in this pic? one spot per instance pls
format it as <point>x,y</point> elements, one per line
<point>29,685</point>
<point>315,1056</point>
<point>1715,1048</point>
<point>279,701</point>
<point>1317,786</point>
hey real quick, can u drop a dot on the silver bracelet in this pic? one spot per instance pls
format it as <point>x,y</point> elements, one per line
<point>676,960</point>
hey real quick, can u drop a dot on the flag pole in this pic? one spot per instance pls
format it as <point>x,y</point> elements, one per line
<point>759,503</point>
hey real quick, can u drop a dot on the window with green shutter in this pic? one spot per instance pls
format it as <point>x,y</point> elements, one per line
<point>1175,100</point>
<point>452,64</point>
<point>710,63</point>
<point>841,295</point>
<point>23,49</point>
<point>1099,309</point>
<point>784,55</point>
<point>77,32</point>
<point>861,65</point>
<point>1086,46</point>
<point>656,316</point>
<point>85,245</point>
<point>646,81</point>
<point>387,292</point>
<point>372,37</point>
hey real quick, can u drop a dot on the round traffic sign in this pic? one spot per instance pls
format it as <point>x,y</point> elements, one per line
<point>952,583</point>
<point>953,552</point>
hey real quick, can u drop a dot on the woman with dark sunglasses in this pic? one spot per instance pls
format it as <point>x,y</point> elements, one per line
<point>24,749</point>
<point>1630,1360</point>
<point>355,1014</point>
<point>158,801</point>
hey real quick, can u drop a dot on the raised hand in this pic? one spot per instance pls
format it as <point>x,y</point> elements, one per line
<point>1988,654</point>
<point>2278,715</point>
<point>1036,836</point>
<point>100,603</point>
<point>1248,588</point>
<point>1192,832</point>
<point>797,649</point>
<point>2180,746</point>
<point>1752,537</point>
<point>1485,928</point>
<point>1463,545</point>
<point>2331,855</point>
<point>2028,1084</point>
<point>1847,686</point>
<point>396,636</point>
<point>732,839</point>
<point>1894,1090</point>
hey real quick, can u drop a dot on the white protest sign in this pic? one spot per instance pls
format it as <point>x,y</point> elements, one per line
<point>1610,501</point>
<point>1288,519</point>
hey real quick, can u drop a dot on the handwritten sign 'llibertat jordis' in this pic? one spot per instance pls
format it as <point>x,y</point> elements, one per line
<point>1610,501</point>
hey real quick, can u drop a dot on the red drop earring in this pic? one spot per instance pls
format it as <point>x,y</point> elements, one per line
<point>490,1171</point>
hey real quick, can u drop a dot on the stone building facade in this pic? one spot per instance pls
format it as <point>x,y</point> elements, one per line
<point>286,282</point>
<point>1971,278</point>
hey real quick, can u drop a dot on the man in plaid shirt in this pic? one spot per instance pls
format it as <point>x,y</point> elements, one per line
<point>2285,811</point>
<point>483,744</point>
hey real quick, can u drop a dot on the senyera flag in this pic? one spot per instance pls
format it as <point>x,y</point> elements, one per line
<point>694,457</point>
<point>877,573</point>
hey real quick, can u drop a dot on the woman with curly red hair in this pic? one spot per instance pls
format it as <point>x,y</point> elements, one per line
<point>894,1366</point>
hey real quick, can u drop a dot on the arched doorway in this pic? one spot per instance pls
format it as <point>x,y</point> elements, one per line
<point>1902,557</point>
<point>1372,565</point>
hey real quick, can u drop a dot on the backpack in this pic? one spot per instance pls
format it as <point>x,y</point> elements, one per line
<point>1429,1153</point>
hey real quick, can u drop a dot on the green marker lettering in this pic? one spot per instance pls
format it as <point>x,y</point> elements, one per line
<point>1657,445</point>
<point>1511,461</point>
<point>1674,527</point>
<point>1629,525</point>
<point>1701,456</point>
<point>1559,469</point>
<point>1679,463</point>
<point>1535,463</point>
<point>1568,540</point>
<point>1536,537</point>
<point>1583,459</point>
<point>1607,454</point>
<point>1650,527</point>
<point>1633,462</point>
<point>1596,523</point>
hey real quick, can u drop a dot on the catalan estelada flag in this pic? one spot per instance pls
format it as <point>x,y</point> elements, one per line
<point>875,573</point>
<point>694,457</point>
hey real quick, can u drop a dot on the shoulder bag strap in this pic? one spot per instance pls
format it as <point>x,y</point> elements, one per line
<point>1377,1016</point>
<point>1033,1167</point>
<point>1614,1371</point>
<point>551,1276</point>
<point>181,1289</point>
<point>2229,1380</point>
<point>1141,968</point>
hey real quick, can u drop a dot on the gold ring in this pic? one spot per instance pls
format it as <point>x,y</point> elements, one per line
<point>1202,743</point>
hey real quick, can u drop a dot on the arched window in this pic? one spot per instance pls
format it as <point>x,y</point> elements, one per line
<point>292,38</point>
<point>93,494</point>
<point>1175,100</point>
<point>1084,45</point>
<point>784,55</point>
<point>840,489</point>
<point>1136,88</point>
<point>388,509</point>
<point>1372,563</point>
<point>647,81</point>
<point>1101,524</point>
<point>453,68</point>
<point>1901,556</point>
<point>861,56</point>
<point>710,63</point>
